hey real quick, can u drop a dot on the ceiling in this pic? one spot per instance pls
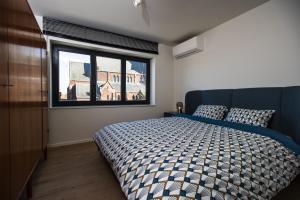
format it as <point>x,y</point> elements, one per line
<point>165,21</point>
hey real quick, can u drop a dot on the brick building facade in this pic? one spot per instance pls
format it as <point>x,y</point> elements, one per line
<point>108,82</point>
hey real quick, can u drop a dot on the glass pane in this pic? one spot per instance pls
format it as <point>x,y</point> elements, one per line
<point>108,79</point>
<point>74,76</point>
<point>135,80</point>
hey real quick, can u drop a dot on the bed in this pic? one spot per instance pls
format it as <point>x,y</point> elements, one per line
<point>188,157</point>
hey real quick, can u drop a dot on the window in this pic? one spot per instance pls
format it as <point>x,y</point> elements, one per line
<point>74,76</point>
<point>83,77</point>
<point>106,68</point>
<point>136,90</point>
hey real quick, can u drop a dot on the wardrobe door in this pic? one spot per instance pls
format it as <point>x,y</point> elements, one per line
<point>4,110</point>
<point>45,95</point>
<point>25,94</point>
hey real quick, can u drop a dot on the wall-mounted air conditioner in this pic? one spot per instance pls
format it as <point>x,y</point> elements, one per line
<point>191,46</point>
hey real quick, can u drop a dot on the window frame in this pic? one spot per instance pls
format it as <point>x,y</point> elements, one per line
<point>56,48</point>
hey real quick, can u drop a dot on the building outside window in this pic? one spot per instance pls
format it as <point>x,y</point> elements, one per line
<point>84,77</point>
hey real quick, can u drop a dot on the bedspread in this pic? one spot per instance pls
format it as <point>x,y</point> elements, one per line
<point>181,158</point>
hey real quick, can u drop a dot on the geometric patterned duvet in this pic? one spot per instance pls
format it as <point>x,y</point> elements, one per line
<point>179,158</point>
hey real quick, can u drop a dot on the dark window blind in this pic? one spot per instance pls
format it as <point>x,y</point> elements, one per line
<point>63,29</point>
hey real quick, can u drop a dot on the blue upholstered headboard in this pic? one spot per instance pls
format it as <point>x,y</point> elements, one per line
<point>285,100</point>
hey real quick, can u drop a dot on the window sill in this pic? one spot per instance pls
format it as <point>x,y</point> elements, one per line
<point>102,106</point>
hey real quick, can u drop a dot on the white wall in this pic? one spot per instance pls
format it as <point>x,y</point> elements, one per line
<point>259,48</point>
<point>72,125</point>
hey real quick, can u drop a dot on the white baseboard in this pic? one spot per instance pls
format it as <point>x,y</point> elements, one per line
<point>59,144</point>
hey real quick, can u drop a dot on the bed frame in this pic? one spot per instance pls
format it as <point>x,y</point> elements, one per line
<point>285,100</point>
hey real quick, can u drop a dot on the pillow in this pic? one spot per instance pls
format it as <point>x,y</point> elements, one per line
<point>211,111</point>
<point>252,117</point>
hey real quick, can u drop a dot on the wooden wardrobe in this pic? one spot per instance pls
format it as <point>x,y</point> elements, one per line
<point>23,97</point>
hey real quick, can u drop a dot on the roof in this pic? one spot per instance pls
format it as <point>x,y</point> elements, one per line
<point>135,88</point>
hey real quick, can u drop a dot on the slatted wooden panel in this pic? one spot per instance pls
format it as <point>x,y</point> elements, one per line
<point>4,112</point>
<point>25,95</point>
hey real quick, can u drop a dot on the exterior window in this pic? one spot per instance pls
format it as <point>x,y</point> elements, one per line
<point>84,77</point>
<point>137,91</point>
<point>74,77</point>
<point>142,79</point>
<point>107,67</point>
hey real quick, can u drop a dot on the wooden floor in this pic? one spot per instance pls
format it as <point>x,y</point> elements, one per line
<point>76,172</point>
<point>80,172</point>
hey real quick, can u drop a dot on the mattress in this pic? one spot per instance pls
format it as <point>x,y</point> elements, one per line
<point>193,158</point>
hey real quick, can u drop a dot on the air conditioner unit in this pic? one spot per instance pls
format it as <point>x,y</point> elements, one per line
<point>191,46</point>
